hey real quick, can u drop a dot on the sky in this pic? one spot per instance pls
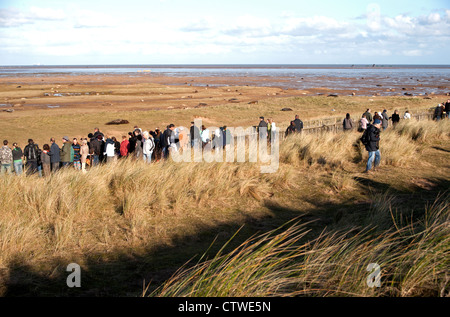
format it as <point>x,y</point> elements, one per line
<point>80,32</point>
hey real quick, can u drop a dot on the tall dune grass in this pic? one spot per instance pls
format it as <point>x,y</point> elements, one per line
<point>414,261</point>
<point>128,206</point>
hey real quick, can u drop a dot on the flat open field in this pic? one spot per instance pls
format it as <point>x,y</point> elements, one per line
<point>55,106</point>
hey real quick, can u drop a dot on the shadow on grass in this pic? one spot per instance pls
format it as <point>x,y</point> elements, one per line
<point>125,275</point>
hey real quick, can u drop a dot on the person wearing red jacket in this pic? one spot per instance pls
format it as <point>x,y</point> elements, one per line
<point>124,147</point>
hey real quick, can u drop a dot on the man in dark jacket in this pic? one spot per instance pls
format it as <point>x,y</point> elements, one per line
<point>395,118</point>
<point>194,135</point>
<point>96,149</point>
<point>54,153</point>
<point>447,108</point>
<point>31,153</point>
<point>262,128</point>
<point>368,115</point>
<point>298,124</point>
<point>373,146</point>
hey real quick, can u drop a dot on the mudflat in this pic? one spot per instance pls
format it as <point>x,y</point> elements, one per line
<point>55,105</point>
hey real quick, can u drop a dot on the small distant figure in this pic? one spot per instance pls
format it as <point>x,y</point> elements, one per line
<point>6,158</point>
<point>290,129</point>
<point>31,152</point>
<point>148,146</point>
<point>46,160</point>
<point>363,122</point>
<point>368,115</point>
<point>65,153</point>
<point>84,152</point>
<point>347,123</point>
<point>205,136</point>
<point>395,118</point>
<point>124,146</point>
<point>54,153</point>
<point>376,115</point>
<point>298,124</point>
<point>438,112</point>
<point>384,119</point>
<point>407,115</point>
<point>447,109</point>
<point>262,128</point>
<point>17,159</point>
<point>76,154</point>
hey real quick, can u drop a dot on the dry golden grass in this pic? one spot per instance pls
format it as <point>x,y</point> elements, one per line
<point>130,207</point>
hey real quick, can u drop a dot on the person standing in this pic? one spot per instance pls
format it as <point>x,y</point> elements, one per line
<point>438,111</point>
<point>66,152</point>
<point>194,135</point>
<point>226,138</point>
<point>84,152</point>
<point>298,124</point>
<point>447,108</point>
<point>138,150</point>
<point>46,160</point>
<point>290,129</point>
<point>31,152</point>
<point>204,135</point>
<point>407,115</point>
<point>116,147</point>
<point>76,154</point>
<point>17,159</point>
<point>124,146</point>
<point>262,128</point>
<point>95,148</point>
<point>373,145</point>
<point>347,124</point>
<point>368,115</point>
<point>363,122</point>
<point>182,138</point>
<point>148,147</point>
<point>54,153</point>
<point>395,118</point>
<point>109,151</point>
<point>6,158</point>
<point>384,119</point>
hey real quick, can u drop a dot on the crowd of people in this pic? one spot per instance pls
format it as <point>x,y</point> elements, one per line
<point>157,145</point>
<point>97,148</point>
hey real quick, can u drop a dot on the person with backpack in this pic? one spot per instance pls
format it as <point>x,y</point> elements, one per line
<point>66,150</point>
<point>17,159</point>
<point>6,158</point>
<point>148,147</point>
<point>31,153</point>
<point>371,140</point>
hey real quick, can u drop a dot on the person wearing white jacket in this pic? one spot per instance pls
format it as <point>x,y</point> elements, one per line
<point>109,150</point>
<point>148,146</point>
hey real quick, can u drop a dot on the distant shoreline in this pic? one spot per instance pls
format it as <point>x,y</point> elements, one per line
<point>235,66</point>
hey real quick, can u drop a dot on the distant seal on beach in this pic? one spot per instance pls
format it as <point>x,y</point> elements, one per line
<point>117,122</point>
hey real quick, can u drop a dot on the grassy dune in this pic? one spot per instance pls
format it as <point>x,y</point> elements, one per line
<point>128,222</point>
